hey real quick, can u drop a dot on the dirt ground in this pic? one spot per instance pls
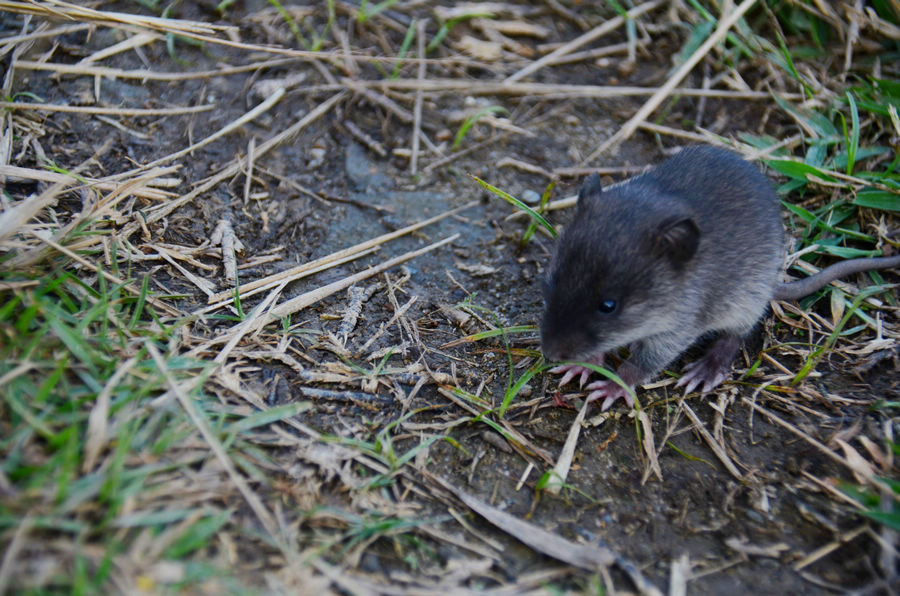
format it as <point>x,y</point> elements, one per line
<point>776,523</point>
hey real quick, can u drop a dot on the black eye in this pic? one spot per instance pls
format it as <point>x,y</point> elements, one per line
<point>607,306</point>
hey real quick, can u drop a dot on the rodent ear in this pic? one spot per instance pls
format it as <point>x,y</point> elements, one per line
<point>590,189</point>
<point>678,239</point>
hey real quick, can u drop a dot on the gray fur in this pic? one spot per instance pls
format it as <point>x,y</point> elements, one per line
<point>668,246</point>
<point>692,247</point>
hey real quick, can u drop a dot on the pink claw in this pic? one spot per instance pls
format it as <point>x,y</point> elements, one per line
<point>571,370</point>
<point>697,374</point>
<point>610,391</point>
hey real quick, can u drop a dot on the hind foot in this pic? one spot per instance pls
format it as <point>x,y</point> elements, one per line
<point>711,369</point>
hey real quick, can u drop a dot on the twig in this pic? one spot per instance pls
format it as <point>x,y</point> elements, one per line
<point>235,167</point>
<point>364,138</point>
<point>657,98</point>
<point>309,298</point>
<point>145,192</point>
<point>829,548</point>
<point>17,542</point>
<point>148,75</point>
<point>203,32</point>
<point>454,156</point>
<point>297,273</point>
<point>130,287</point>
<point>57,8</point>
<point>707,138</point>
<point>606,27</point>
<point>612,49</point>
<point>253,500</point>
<point>248,176</point>
<point>14,218</point>
<point>130,43</point>
<point>262,108</point>
<point>245,327</point>
<point>54,107</point>
<point>293,273</point>
<point>359,397</point>
<point>586,556</point>
<point>785,424</point>
<point>417,109</point>
<point>379,99</point>
<point>561,470</point>
<point>548,90</point>
<point>57,32</point>
<point>98,420</point>
<point>717,448</point>
<point>224,236</point>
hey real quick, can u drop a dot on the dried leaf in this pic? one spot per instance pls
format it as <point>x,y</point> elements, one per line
<point>648,444</point>
<point>585,556</point>
<point>480,49</point>
<point>861,468</point>
<point>515,28</point>
<point>740,545</point>
<point>476,270</point>
<point>837,306</point>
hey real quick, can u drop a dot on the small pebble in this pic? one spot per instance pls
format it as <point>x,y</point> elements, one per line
<point>530,197</point>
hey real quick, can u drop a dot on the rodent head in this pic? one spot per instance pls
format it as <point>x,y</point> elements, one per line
<point>617,270</point>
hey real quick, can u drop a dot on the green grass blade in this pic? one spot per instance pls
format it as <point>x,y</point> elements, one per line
<point>532,225</point>
<point>139,305</point>
<point>365,13</point>
<point>817,354</point>
<point>269,416</point>
<point>798,170</point>
<point>291,23</point>
<point>513,391</point>
<point>472,119</point>
<point>792,68</point>
<point>404,48</point>
<point>197,535</point>
<point>446,27</point>
<point>878,199</point>
<point>853,141</point>
<point>517,203</point>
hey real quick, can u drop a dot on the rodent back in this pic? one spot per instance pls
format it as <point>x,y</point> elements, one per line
<point>740,253</point>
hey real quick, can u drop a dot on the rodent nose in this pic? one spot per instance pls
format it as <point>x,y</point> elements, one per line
<point>554,350</point>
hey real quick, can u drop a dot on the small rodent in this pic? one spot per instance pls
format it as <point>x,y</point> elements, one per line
<point>692,247</point>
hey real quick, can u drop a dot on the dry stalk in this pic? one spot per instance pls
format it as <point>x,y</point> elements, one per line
<point>335,258</point>
<point>309,298</point>
<point>663,92</point>
<point>145,74</point>
<point>595,33</point>
<point>716,447</point>
<point>49,107</point>
<point>236,166</point>
<point>417,110</point>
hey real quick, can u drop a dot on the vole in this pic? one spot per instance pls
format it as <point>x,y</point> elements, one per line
<point>690,248</point>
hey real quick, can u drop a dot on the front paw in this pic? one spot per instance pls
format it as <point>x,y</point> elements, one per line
<point>572,370</point>
<point>610,392</point>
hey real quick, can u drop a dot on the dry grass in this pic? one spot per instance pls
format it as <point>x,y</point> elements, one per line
<point>151,432</point>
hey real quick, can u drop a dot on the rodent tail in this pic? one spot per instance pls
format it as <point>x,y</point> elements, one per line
<point>805,287</point>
